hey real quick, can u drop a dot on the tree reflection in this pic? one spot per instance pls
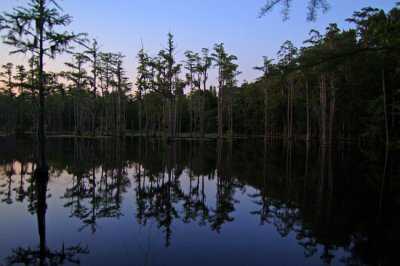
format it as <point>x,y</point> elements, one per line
<point>90,198</point>
<point>42,255</point>
<point>6,189</point>
<point>160,194</point>
<point>226,184</point>
<point>334,200</point>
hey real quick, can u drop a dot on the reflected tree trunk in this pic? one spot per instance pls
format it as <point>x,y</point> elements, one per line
<point>202,111</point>
<point>330,184</point>
<point>265,109</point>
<point>381,197</point>
<point>220,111</point>
<point>288,169</point>
<point>306,171</point>
<point>42,167</point>
<point>41,187</point>
<point>44,256</point>
<point>332,103</point>
<point>385,109</point>
<point>219,157</point>
<point>321,182</point>
<point>308,114</point>
<point>323,120</point>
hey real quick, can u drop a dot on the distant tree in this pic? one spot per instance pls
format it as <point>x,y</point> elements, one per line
<point>21,78</point>
<point>7,79</point>
<point>105,77</point>
<point>7,74</point>
<point>122,85</point>
<point>287,55</point>
<point>142,80</point>
<point>203,67</point>
<point>226,73</point>
<point>190,65</point>
<point>92,52</point>
<point>79,78</point>
<point>266,69</point>
<point>165,79</point>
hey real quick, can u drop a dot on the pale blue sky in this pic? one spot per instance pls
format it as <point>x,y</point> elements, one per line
<point>121,25</point>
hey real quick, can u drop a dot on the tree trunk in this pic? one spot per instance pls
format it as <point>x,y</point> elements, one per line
<point>203,104</point>
<point>265,110</point>
<point>191,112</point>
<point>94,98</point>
<point>308,113</point>
<point>385,109</point>
<point>93,129</point>
<point>171,124</point>
<point>323,110</point>
<point>202,112</point>
<point>290,109</point>
<point>393,110</point>
<point>119,109</point>
<point>76,116</point>
<point>106,114</point>
<point>231,117</point>
<point>140,112</point>
<point>41,190</point>
<point>146,117</point>
<point>41,134</point>
<point>176,115</point>
<point>220,108</point>
<point>331,110</point>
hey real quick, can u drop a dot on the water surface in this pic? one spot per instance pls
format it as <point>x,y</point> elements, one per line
<point>138,202</point>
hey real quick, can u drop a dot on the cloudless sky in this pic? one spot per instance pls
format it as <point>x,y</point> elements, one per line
<point>122,25</point>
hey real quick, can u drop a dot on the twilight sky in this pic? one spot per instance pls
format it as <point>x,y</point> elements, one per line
<point>121,26</point>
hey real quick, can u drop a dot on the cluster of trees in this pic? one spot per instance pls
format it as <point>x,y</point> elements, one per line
<point>71,95</point>
<point>342,85</point>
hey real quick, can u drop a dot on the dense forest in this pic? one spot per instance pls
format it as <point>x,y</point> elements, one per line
<point>342,85</point>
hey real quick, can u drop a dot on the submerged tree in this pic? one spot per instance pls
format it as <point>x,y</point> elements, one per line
<point>79,78</point>
<point>142,80</point>
<point>266,68</point>
<point>165,80</point>
<point>227,71</point>
<point>92,53</point>
<point>43,255</point>
<point>33,29</point>
<point>287,55</point>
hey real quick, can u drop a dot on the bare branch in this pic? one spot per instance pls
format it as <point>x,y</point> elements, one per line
<point>313,7</point>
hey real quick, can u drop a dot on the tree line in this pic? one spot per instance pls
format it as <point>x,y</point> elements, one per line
<point>342,85</point>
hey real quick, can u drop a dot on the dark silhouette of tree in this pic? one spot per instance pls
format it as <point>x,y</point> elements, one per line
<point>313,7</point>
<point>7,74</point>
<point>266,68</point>
<point>43,255</point>
<point>79,78</point>
<point>32,29</point>
<point>227,72</point>
<point>142,81</point>
<point>93,53</point>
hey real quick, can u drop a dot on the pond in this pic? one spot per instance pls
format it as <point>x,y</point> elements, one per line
<point>134,201</point>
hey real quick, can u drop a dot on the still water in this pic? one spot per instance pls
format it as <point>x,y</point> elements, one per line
<point>139,202</point>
